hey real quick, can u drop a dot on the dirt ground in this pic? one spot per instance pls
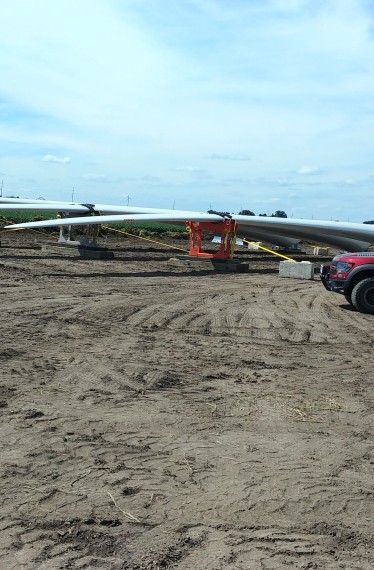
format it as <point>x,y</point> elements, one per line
<point>158,417</point>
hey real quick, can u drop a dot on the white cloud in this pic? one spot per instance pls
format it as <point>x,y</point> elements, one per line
<point>56,159</point>
<point>308,171</point>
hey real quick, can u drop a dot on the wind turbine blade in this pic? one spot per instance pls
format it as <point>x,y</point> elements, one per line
<point>115,219</point>
<point>44,207</point>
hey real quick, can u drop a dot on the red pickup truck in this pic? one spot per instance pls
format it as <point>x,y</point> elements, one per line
<point>352,275</point>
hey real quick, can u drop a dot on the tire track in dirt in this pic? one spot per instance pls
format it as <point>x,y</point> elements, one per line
<point>306,320</point>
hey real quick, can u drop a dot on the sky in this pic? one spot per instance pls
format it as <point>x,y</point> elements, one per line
<point>263,105</point>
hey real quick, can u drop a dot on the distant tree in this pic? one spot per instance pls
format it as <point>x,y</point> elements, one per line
<point>369,222</point>
<point>246,213</point>
<point>279,214</point>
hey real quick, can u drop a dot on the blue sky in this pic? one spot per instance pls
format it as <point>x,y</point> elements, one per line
<point>194,104</point>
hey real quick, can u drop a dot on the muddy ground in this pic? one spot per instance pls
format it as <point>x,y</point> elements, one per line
<point>157,417</point>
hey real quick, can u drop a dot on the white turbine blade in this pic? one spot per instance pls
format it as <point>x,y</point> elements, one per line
<point>113,209</point>
<point>349,236</point>
<point>346,235</point>
<point>115,219</point>
<point>59,206</point>
<point>20,201</point>
<point>290,226</point>
<point>44,207</point>
<point>4,200</point>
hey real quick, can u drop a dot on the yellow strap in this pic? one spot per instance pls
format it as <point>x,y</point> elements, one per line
<point>15,230</point>
<point>144,238</point>
<point>270,250</point>
<point>233,244</point>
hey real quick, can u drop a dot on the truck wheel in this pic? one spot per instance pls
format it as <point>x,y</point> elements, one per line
<point>348,298</point>
<point>363,296</point>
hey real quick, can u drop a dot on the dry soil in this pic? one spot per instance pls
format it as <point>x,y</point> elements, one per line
<point>158,417</point>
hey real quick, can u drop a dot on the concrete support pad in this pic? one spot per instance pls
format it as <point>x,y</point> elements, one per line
<point>296,270</point>
<point>206,264</point>
<point>254,246</point>
<point>320,251</point>
<point>58,250</point>
<point>68,243</point>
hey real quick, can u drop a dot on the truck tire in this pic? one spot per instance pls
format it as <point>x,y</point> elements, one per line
<point>348,298</point>
<point>363,296</point>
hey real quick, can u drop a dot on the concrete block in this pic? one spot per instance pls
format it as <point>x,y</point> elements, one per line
<point>296,269</point>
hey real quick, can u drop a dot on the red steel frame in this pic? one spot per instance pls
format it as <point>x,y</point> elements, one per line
<point>227,230</point>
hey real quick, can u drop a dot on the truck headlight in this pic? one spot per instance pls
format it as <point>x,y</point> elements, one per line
<point>343,266</point>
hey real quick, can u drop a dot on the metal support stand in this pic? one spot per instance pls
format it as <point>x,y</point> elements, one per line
<point>227,230</point>
<point>67,234</point>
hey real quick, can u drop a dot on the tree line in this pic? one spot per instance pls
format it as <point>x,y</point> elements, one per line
<point>277,214</point>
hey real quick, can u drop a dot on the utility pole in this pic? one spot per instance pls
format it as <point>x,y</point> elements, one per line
<point>128,199</point>
<point>72,195</point>
<point>1,190</point>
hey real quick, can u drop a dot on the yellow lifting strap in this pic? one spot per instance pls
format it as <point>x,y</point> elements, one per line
<point>270,251</point>
<point>144,238</point>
